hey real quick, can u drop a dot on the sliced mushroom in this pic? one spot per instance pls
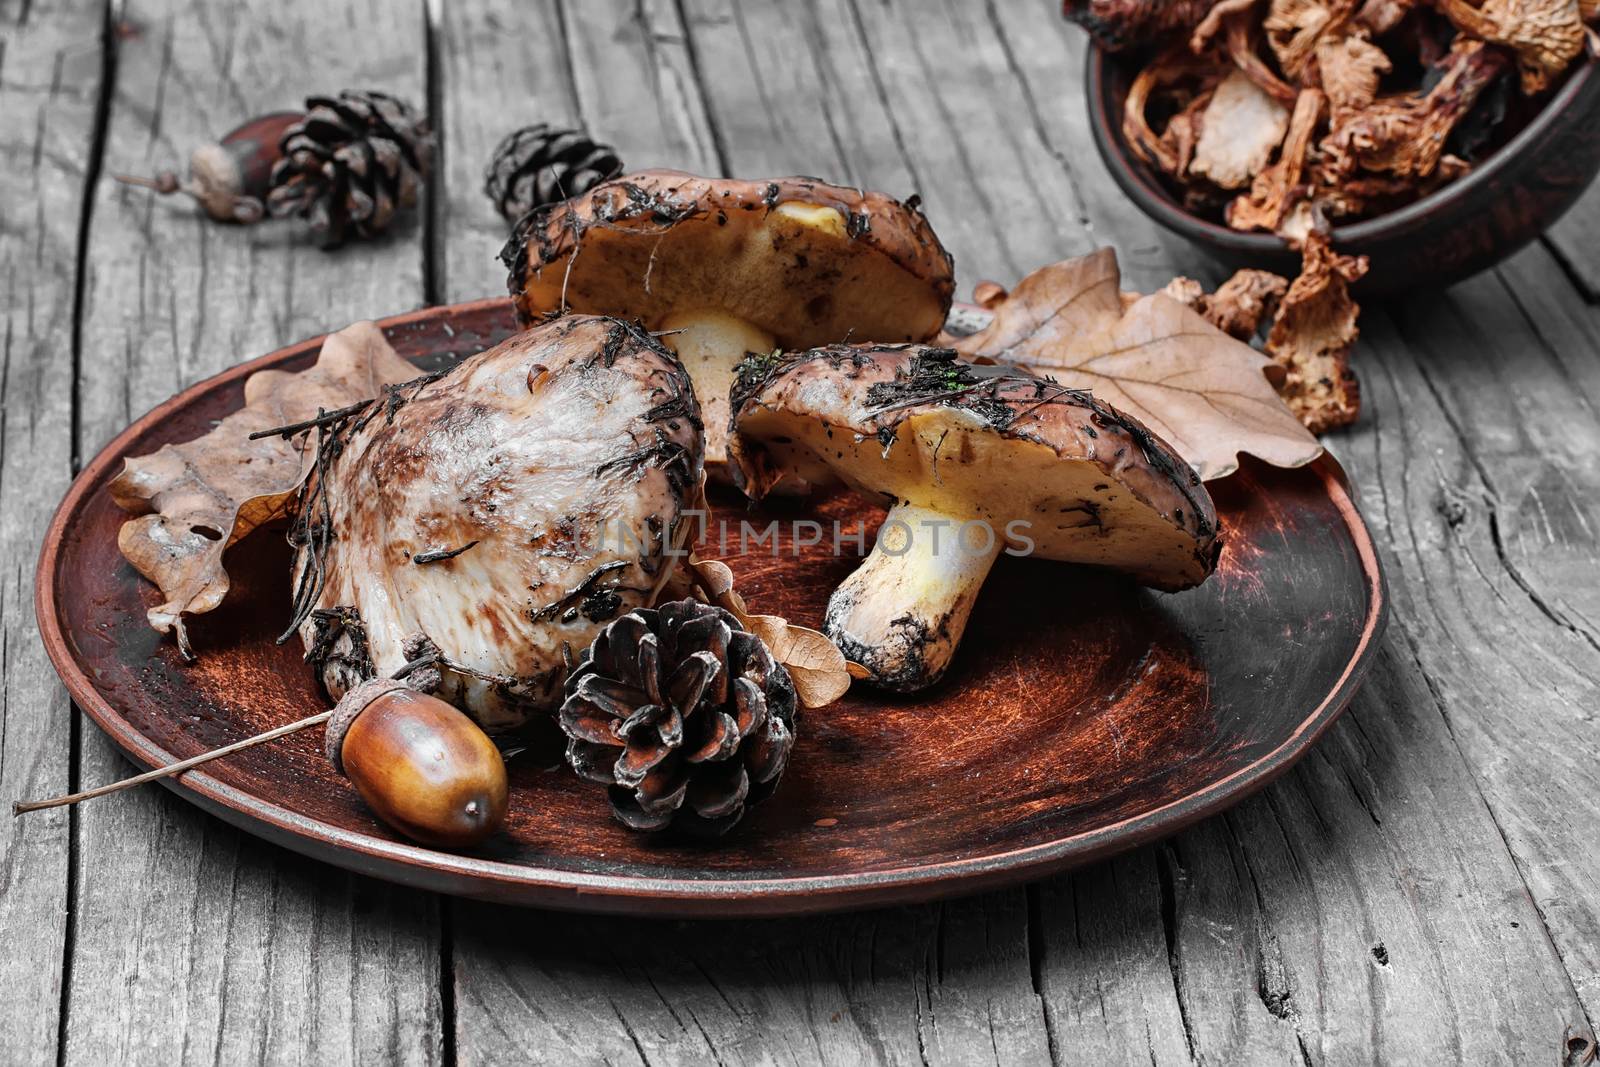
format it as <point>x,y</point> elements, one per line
<point>971,460</point>
<point>722,267</point>
<point>506,512</point>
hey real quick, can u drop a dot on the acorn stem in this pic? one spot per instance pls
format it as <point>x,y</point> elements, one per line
<point>20,806</point>
<point>170,769</point>
<point>165,183</point>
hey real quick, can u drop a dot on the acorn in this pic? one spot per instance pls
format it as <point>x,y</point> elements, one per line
<point>422,766</point>
<point>230,178</point>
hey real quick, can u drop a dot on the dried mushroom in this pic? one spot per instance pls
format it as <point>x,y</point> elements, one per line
<point>1408,93</point>
<point>1118,24</point>
<point>1312,335</point>
<point>970,459</point>
<point>1239,131</point>
<point>1313,328</point>
<point>723,267</point>
<point>1545,34</point>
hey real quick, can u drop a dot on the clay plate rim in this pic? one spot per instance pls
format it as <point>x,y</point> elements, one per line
<point>687,897</point>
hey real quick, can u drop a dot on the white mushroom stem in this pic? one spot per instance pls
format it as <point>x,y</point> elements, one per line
<point>711,344</point>
<point>902,613</point>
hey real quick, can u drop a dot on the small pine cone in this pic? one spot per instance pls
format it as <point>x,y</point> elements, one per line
<point>683,713</point>
<point>351,164</point>
<point>539,165</point>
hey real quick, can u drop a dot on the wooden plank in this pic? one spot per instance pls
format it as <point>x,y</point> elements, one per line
<point>1575,240</point>
<point>636,84</point>
<point>193,941</point>
<point>50,68</point>
<point>508,52</point>
<point>943,984</point>
<point>1502,490</point>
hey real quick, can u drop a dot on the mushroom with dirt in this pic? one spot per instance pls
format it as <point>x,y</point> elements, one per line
<point>721,267</point>
<point>500,513</point>
<point>972,461</point>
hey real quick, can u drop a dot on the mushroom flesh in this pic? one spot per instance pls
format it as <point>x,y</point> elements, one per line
<point>506,511</point>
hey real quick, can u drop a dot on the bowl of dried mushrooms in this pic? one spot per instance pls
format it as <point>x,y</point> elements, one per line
<point>1434,136</point>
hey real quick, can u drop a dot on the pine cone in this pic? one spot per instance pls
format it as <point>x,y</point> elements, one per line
<point>683,713</point>
<point>539,165</point>
<point>351,164</point>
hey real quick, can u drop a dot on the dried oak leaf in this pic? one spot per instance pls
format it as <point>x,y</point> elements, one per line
<point>1274,190</point>
<point>195,499</point>
<point>1313,333</point>
<point>1153,358</point>
<point>1239,130</point>
<point>820,672</point>
<point>1405,135</point>
<point>1546,35</point>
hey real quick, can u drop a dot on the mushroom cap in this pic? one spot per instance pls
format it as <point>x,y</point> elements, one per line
<point>806,261</point>
<point>915,424</point>
<point>559,463</point>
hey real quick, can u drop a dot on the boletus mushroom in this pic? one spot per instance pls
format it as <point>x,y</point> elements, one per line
<point>972,461</point>
<point>505,510</point>
<point>720,267</point>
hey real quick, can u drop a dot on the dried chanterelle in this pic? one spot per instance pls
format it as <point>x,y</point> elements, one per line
<point>970,459</point>
<point>506,510</point>
<point>723,267</point>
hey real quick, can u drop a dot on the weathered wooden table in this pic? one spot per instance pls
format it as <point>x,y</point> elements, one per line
<point>1421,889</point>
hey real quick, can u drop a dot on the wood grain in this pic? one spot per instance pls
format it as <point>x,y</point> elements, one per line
<point>1260,960</point>
<point>1374,785</point>
<point>1499,488</point>
<point>194,942</point>
<point>501,66</point>
<point>49,89</point>
<point>1436,832</point>
<point>1575,241</point>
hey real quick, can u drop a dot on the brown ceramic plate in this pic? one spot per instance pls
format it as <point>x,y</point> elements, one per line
<point>1083,715</point>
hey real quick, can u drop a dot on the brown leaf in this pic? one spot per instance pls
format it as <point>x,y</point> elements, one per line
<point>1154,359</point>
<point>197,498</point>
<point>1546,34</point>
<point>820,672</point>
<point>1313,334</point>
